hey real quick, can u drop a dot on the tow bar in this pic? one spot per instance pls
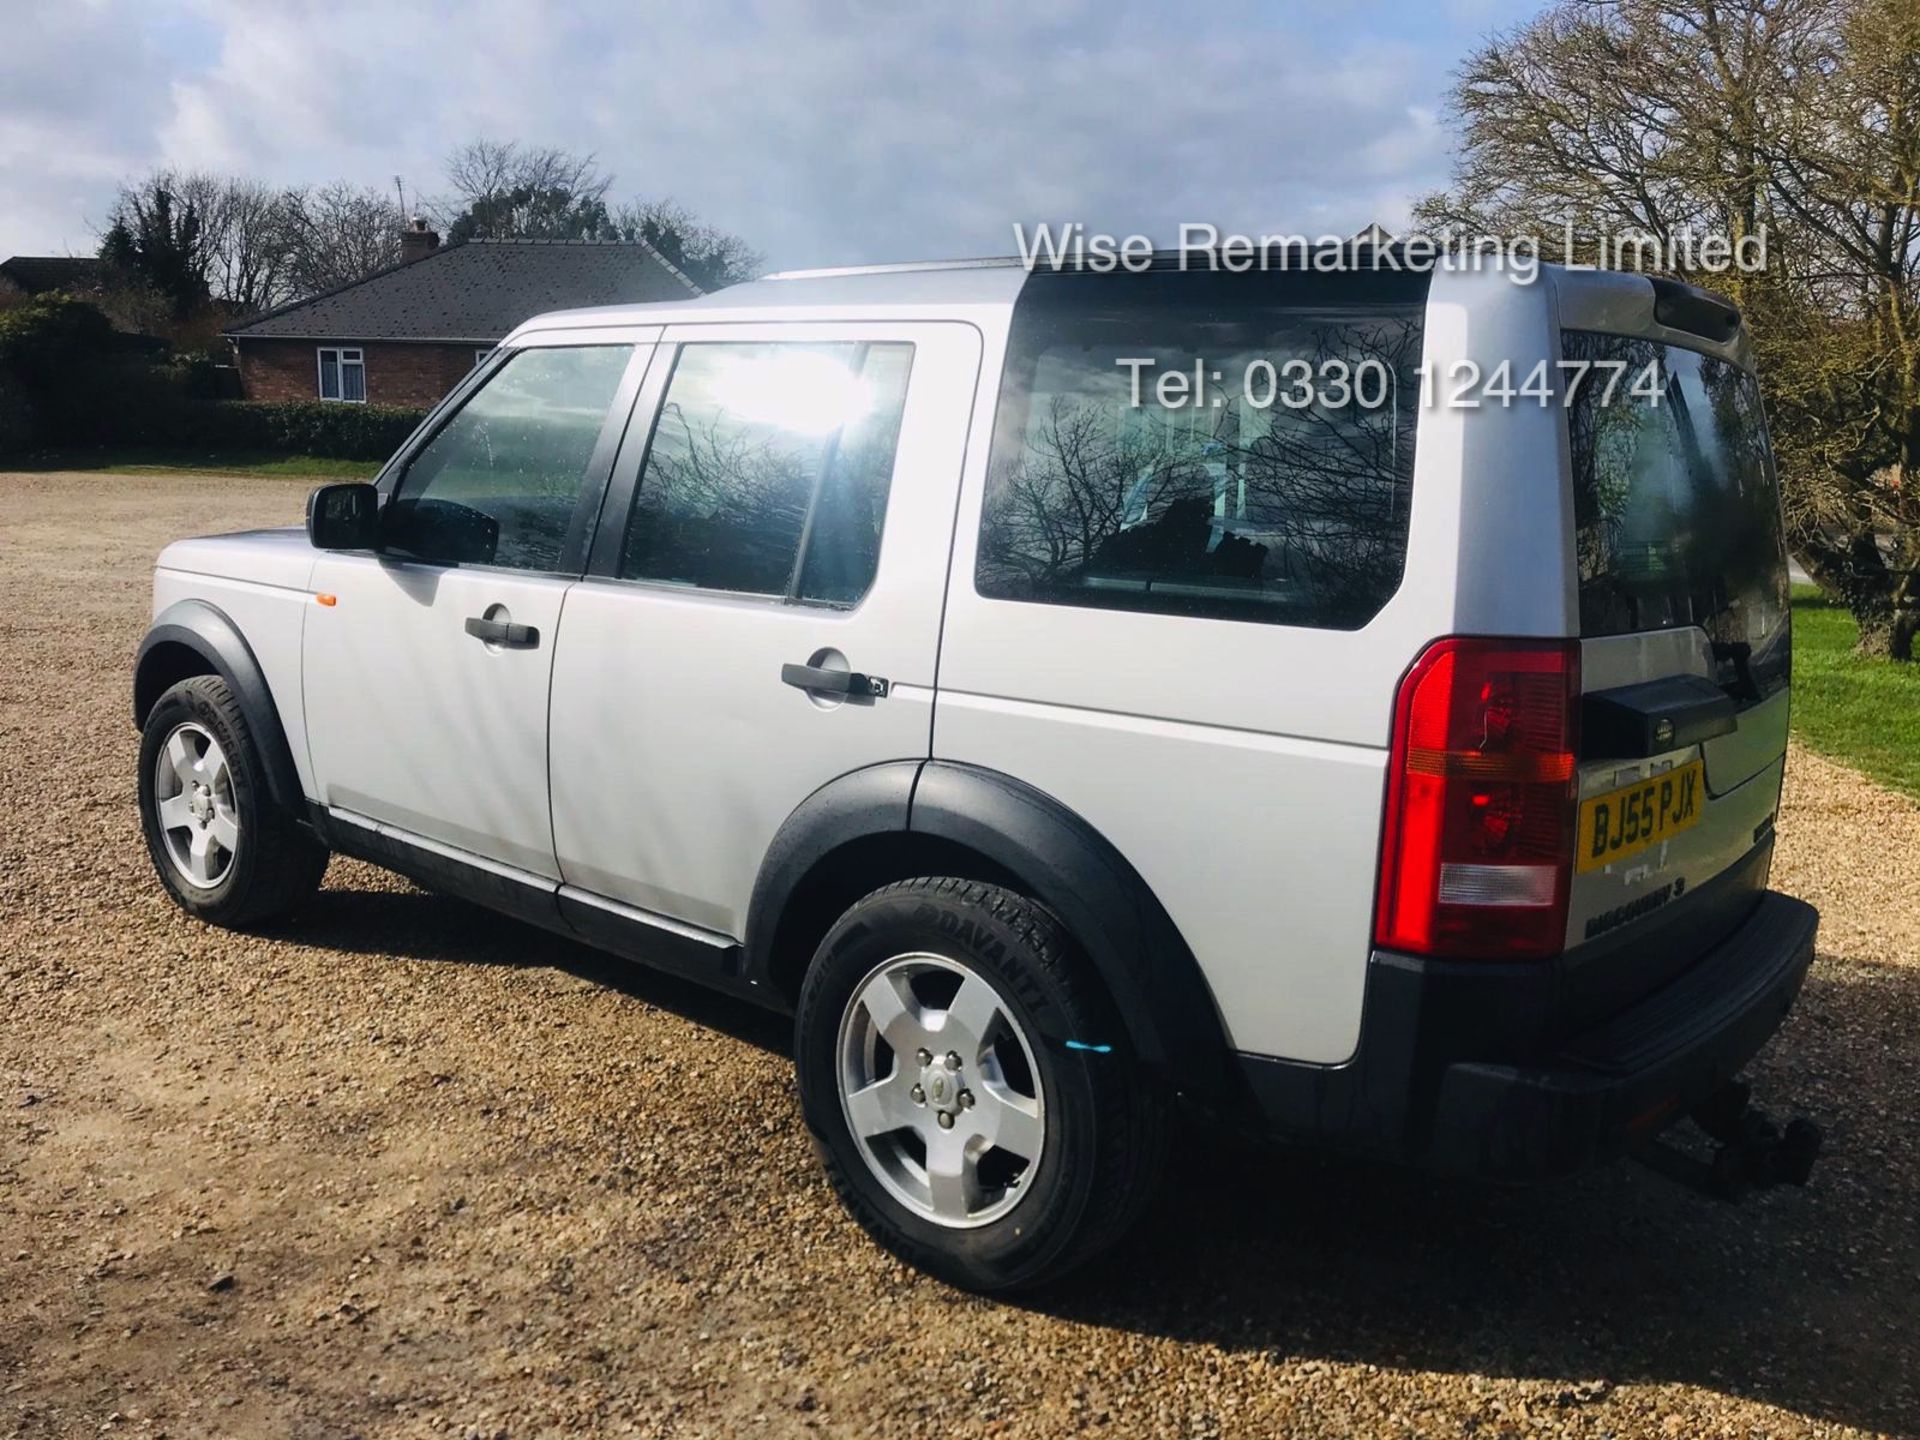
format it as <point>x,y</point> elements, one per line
<point>1750,1151</point>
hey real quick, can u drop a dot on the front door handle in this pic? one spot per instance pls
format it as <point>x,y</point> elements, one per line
<point>817,681</point>
<point>503,633</point>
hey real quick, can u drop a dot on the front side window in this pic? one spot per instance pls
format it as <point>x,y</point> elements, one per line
<point>1267,480</point>
<point>769,469</point>
<point>501,482</point>
<point>343,374</point>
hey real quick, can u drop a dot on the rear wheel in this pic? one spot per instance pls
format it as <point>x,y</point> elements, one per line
<point>971,1090</point>
<point>221,846</point>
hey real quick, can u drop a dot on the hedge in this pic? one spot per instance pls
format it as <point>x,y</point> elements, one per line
<point>67,379</point>
<point>296,427</point>
<point>164,419</point>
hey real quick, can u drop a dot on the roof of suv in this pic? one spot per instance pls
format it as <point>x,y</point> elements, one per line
<point>901,290</point>
<point>1611,300</point>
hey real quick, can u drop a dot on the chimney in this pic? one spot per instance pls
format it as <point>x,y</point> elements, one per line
<point>418,240</point>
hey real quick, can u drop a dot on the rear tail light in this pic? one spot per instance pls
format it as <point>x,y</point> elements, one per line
<point>1477,849</point>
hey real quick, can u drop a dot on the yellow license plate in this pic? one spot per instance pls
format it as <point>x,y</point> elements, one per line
<point>1623,822</point>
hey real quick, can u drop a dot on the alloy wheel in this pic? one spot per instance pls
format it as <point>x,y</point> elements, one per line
<point>194,804</point>
<point>939,1087</point>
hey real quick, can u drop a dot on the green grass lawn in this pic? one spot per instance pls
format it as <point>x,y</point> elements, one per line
<point>269,464</point>
<point>1863,712</point>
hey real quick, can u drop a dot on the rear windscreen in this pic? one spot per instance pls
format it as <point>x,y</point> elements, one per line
<point>1676,504</point>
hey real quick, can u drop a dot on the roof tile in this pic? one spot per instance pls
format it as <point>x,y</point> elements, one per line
<point>477,291</point>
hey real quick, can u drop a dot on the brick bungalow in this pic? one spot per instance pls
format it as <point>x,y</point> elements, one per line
<point>406,335</point>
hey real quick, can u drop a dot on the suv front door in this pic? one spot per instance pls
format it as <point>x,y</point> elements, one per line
<point>784,506</point>
<point>426,673</point>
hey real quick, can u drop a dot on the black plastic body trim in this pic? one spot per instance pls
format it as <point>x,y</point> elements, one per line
<point>211,634</point>
<point>623,474</point>
<point>1621,1082</point>
<point>861,805</point>
<point>1073,870</point>
<point>1017,831</point>
<point>531,899</point>
<point>656,946</point>
<point>1051,852</point>
<point>542,902</point>
<point>1680,306</point>
<point>1684,991</point>
<point>1632,722</point>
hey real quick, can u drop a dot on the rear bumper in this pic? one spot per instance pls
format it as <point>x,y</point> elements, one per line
<point>1434,1085</point>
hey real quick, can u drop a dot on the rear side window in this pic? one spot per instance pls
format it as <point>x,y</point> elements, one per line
<point>1676,504</point>
<point>1275,488</point>
<point>500,483</point>
<point>769,469</point>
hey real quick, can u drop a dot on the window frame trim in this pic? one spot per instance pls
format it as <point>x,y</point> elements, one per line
<point>623,492</point>
<point>644,342</point>
<point>339,353</point>
<point>1019,357</point>
<point>1706,351</point>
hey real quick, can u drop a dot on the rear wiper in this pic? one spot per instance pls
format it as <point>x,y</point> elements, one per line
<point>1740,653</point>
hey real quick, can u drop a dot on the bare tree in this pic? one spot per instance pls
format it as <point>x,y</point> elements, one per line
<point>710,257</point>
<point>226,238</point>
<point>160,236</point>
<point>252,261</point>
<point>505,190</point>
<point>340,233</point>
<point>482,169</point>
<point>1800,116</point>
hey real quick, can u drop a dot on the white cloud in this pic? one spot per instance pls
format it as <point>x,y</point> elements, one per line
<point>825,132</point>
<point>64,140</point>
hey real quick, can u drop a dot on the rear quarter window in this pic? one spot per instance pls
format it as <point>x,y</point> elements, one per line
<point>1275,490</point>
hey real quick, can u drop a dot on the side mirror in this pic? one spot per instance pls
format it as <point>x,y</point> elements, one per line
<point>343,516</point>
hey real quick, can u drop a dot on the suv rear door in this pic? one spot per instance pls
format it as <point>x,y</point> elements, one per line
<point>779,521</point>
<point>1685,636</point>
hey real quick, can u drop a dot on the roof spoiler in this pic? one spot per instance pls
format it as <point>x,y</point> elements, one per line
<point>1680,306</point>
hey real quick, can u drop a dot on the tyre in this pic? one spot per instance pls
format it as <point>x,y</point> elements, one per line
<point>225,851</point>
<point>970,1087</point>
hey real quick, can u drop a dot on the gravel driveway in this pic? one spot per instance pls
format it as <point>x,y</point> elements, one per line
<point>411,1169</point>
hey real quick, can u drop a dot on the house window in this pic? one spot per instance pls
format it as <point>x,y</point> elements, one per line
<point>343,374</point>
<point>480,356</point>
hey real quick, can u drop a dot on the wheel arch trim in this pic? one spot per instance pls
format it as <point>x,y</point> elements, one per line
<point>1051,852</point>
<point>209,633</point>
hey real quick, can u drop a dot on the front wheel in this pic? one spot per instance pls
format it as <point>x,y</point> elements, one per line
<point>224,850</point>
<point>970,1087</point>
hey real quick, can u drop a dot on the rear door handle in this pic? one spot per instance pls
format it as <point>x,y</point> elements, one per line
<point>814,680</point>
<point>503,633</point>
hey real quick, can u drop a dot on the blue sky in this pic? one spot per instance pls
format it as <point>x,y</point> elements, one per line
<point>824,133</point>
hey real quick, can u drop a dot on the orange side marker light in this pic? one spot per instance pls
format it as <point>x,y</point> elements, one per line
<point>326,599</point>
